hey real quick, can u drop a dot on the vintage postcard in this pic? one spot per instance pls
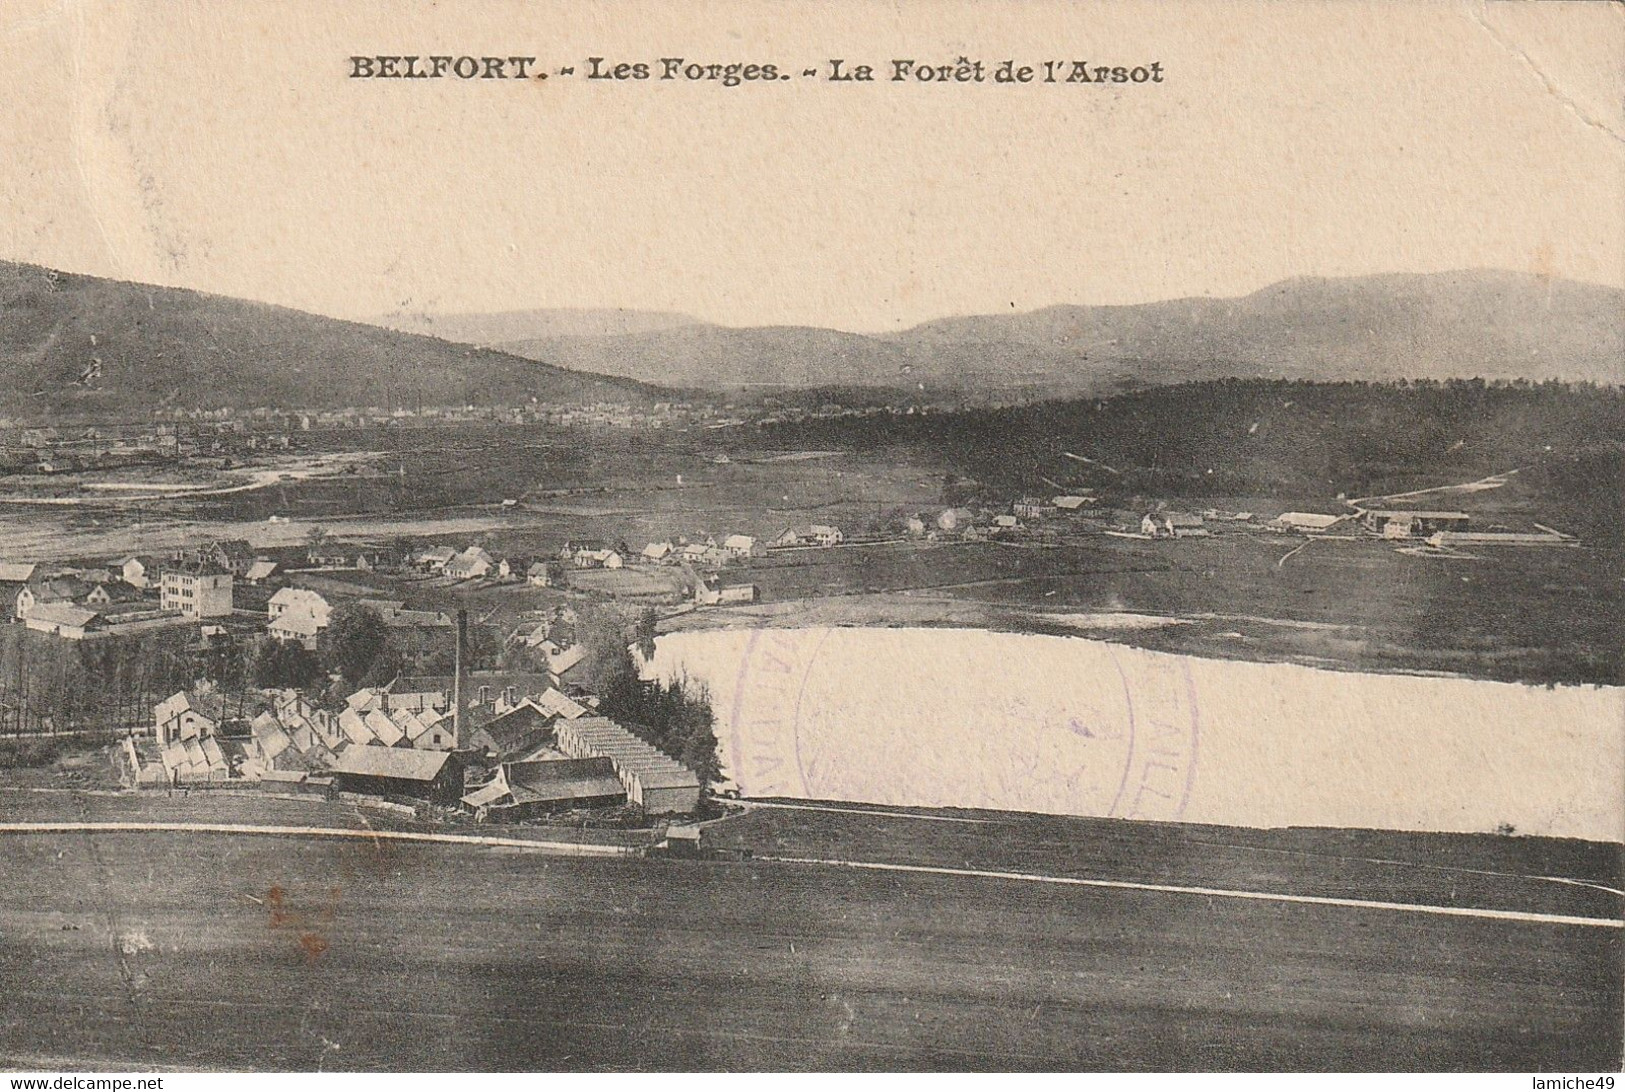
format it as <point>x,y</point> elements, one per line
<point>937,536</point>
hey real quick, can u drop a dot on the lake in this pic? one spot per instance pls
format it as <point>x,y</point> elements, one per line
<point>1066,725</point>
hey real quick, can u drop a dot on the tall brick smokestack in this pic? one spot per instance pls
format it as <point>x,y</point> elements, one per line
<point>459,685</point>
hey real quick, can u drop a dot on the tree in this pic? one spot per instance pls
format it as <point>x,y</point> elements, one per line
<point>648,621</point>
<point>354,639</point>
<point>283,664</point>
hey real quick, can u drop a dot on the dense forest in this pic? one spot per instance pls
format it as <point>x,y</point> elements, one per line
<point>1299,442</point>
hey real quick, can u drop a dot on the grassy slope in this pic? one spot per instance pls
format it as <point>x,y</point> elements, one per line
<point>168,346</point>
<point>170,951</point>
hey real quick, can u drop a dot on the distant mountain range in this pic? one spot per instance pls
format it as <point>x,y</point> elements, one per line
<point>75,344</point>
<point>1489,324</point>
<point>78,344</point>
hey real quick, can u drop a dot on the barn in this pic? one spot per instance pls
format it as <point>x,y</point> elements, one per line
<point>523,790</point>
<point>436,776</point>
<point>656,782</point>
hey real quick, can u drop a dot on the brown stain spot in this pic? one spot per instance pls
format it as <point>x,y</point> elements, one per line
<point>273,900</point>
<point>312,942</point>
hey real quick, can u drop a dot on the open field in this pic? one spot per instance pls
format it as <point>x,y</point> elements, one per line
<point>228,952</point>
<point>1538,615</point>
<point>1528,615</point>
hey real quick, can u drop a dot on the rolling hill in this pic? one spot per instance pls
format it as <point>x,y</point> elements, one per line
<point>1481,323</point>
<point>72,344</point>
<point>496,327</point>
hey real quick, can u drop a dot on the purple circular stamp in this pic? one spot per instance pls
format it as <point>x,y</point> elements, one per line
<point>917,717</point>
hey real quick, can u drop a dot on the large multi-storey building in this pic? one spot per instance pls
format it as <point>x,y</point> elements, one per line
<point>196,589</point>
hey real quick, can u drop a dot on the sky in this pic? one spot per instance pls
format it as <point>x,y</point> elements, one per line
<point>222,147</point>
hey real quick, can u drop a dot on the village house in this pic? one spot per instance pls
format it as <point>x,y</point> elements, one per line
<point>110,593</point>
<point>512,567</point>
<point>260,571</point>
<point>1172,525</point>
<point>599,559</point>
<point>428,730</point>
<point>818,534</point>
<point>333,555</point>
<point>743,546</point>
<point>725,588</point>
<point>198,589</point>
<point>566,666</point>
<point>296,627</point>
<point>434,559</point>
<point>137,571</point>
<point>234,555</point>
<point>300,601</point>
<point>60,589</point>
<point>704,555</point>
<point>1412,524</point>
<point>187,714</point>
<point>955,519</point>
<point>657,553</point>
<point>471,564</point>
<point>1029,508</point>
<point>14,576</point>
<point>538,575</point>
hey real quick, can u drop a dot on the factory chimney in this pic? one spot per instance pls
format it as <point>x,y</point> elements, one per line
<point>459,685</point>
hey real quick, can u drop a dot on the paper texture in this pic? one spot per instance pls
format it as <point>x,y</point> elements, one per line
<point>1095,465</point>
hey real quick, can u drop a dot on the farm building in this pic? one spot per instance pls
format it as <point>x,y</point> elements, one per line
<point>743,546</point>
<point>434,559</point>
<point>1028,508</point>
<point>259,572</point>
<point>599,559</point>
<point>655,782</point>
<point>1308,522</point>
<point>1496,538</point>
<point>1172,525</point>
<point>818,534</point>
<point>510,568</point>
<point>391,771</point>
<point>657,552</point>
<point>470,564</point>
<point>725,589</point>
<point>521,790</point>
<point>538,575</point>
<point>1412,524</point>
